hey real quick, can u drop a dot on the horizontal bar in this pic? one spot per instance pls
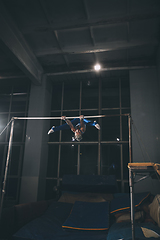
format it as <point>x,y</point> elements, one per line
<point>87,143</point>
<point>49,118</point>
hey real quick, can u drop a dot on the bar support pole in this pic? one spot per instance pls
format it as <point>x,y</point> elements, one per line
<point>131,184</point>
<point>130,145</point>
<point>6,167</point>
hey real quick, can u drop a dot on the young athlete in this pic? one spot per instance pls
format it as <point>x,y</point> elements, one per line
<point>77,125</point>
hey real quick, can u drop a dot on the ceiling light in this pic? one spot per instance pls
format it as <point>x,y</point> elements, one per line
<point>97,67</point>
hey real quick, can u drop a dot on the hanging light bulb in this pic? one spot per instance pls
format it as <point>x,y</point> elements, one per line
<point>97,67</point>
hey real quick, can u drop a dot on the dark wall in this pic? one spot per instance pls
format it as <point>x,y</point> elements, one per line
<point>145,114</point>
<point>36,148</point>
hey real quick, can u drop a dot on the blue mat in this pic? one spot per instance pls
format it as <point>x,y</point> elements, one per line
<point>89,183</point>
<point>49,226</point>
<point>88,216</point>
<point>122,204</point>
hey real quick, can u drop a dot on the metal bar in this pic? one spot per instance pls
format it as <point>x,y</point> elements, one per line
<point>91,142</point>
<point>102,70</point>
<point>97,48</point>
<point>5,127</point>
<point>60,138</point>
<point>78,160</point>
<point>80,71</point>
<point>85,110</point>
<point>12,76</point>
<point>79,148</point>
<point>121,147</point>
<point>130,150</point>
<point>90,27</point>
<point>131,184</point>
<point>99,132</point>
<point>55,32</point>
<point>45,118</point>
<point>6,168</point>
<point>81,23</point>
<point>147,176</point>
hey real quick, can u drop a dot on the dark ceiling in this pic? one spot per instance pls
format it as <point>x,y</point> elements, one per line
<point>65,38</point>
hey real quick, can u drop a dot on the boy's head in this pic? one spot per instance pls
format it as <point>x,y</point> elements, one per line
<point>78,135</point>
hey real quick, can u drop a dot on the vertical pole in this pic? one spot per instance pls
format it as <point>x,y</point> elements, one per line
<point>121,147</point>
<point>131,184</point>
<point>78,160</point>
<point>99,132</point>
<point>60,138</point>
<point>6,167</point>
<point>79,146</point>
<point>129,126</point>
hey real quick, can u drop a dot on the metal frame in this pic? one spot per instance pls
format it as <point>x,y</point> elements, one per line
<point>44,118</point>
<point>6,168</point>
<point>59,118</point>
<point>132,174</point>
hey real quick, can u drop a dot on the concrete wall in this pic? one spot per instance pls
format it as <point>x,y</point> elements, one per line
<point>36,145</point>
<point>158,66</point>
<point>145,112</point>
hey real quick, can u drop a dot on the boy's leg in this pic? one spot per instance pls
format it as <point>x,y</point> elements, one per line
<point>63,126</point>
<point>60,127</point>
<point>92,123</point>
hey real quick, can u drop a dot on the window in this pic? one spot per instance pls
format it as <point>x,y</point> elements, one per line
<point>100,152</point>
<point>13,102</point>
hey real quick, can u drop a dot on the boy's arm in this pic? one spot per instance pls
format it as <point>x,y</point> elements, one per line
<point>83,127</point>
<point>69,123</point>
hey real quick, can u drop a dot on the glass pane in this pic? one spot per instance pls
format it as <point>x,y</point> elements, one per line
<point>111,112</point>
<point>5,89</point>
<point>119,186</point>
<point>126,188</point>
<point>127,110</point>
<point>71,96</point>
<point>111,127</point>
<point>15,160</point>
<point>19,103</point>
<point>52,161</point>
<point>1,157</point>
<point>68,160</point>
<point>125,93</point>
<point>110,94</point>
<point>56,97</point>
<point>54,137</point>
<point>111,163</point>
<point>4,103</point>
<point>88,159</point>
<point>18,95</point>
<point>20,89</point>
<point>11,188</point>
<point>90,95</point>
<point>19,127</point>
<point>125,130</point>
